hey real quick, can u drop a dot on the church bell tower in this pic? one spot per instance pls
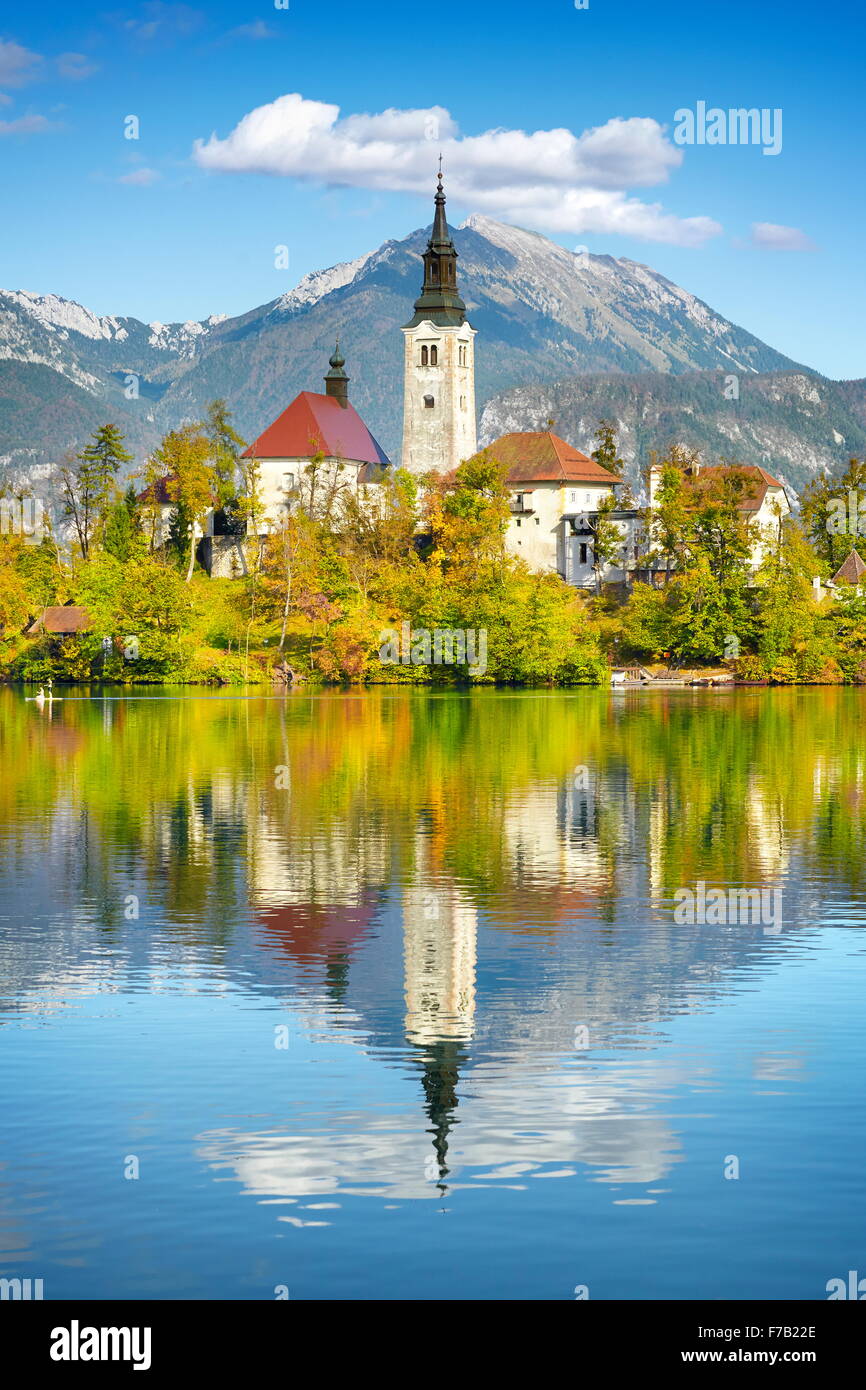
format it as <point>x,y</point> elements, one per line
<point>439,373</point>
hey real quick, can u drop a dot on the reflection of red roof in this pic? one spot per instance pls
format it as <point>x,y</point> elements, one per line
<point>307,931</point>
<point>545,458</point>
<point>318,424</point>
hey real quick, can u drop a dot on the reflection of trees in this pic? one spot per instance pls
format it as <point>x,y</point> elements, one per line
<point>178,801</point>
<point>459,814</point>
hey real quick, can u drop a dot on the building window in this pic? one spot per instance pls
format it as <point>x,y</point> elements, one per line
<point>589,499</point>
<point>429,402</point>
<point>518,520</point>
<point>424,356</point>
<point>288,482</point>
<point>461,354</point>
<point>572,497</point>
<point>434,357</point>
<point>583,551</point>
<point>462,402</point>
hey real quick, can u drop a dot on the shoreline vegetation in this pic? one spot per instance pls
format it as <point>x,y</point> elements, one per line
<point>335,572</point>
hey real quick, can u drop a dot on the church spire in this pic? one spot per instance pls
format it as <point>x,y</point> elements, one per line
<point>440,301</point>
<point>336,381</point>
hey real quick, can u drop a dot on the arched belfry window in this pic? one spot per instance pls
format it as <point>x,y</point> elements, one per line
<point>434,357</point>
<point>424,355</point>
<point>429,402</point>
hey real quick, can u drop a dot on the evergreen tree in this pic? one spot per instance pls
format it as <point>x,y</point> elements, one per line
<point>607,453</point>
<point>88,484</point>
<point>226,446</point>
<point>123,536</point>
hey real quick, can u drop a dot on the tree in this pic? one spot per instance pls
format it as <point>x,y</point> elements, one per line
<point>666,519</point>
<point>183,457</point>
<point>834,513</point>
<point>14,597</point>
<point>704,614</point>
<point>607,454</point>
<point>377,531</point>
<point>226,445</point>
<point>467,513</point>
<point>88,483</point>
<point>122,535</point>
<point>249,510</point>
<point>607,539</point>
<point>793,640</point>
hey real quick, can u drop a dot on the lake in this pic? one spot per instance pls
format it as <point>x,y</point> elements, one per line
<point>390,994</point>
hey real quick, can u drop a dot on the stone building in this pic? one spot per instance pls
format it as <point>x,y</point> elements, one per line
<point>555,490</point>
<point>439,429</point>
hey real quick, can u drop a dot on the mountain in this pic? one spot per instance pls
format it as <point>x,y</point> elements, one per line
<point>542,313</point>
<point>792,423</point>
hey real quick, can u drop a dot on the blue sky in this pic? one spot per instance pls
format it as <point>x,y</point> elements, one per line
<point>150,227</point>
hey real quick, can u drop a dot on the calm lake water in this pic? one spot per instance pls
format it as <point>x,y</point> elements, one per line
<point>384,995</point>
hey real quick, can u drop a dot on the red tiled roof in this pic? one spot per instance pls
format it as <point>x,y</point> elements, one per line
<point>545,458</point>
<point>851,570</point>
<point>318,424</point>
<point>761,479</point>
<point>159,492</point>
<point>61,621</point>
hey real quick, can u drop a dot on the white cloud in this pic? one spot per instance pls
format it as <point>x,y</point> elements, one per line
<point>76,66</point>
<point>25,125</point>
<point>552,179</point>
<point>18,65</point>
<point>157,20</point>
<point>773,237</point>
<point>140,178</point>
<point>258,29</point>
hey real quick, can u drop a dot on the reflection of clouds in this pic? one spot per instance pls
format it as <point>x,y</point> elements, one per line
<point>512,1127</point>
<point>777,1066</point>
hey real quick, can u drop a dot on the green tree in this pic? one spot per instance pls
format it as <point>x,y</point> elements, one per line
<point>123,536</point>
<point>607,539</point>
<point>88,484</point>
<point>226,446</point>
<point>834,513</point>
<point>607,452</point>
<point>184,458</point>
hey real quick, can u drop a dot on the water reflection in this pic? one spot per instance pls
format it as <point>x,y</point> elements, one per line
<point>474,894</point>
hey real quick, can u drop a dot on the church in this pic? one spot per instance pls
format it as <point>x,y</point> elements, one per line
<point>556,491</point>
<point>555,488</point>
<point>554,485</point>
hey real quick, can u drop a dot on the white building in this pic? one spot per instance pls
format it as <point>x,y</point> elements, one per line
<point>439,429</point>
<point>763,506</point>
<point>555,494</point>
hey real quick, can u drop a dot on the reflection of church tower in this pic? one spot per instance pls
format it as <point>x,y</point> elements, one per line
<point>440,928</point>
<point>439,374</point>
<point>441,1064</point>
<point>439,932</point>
